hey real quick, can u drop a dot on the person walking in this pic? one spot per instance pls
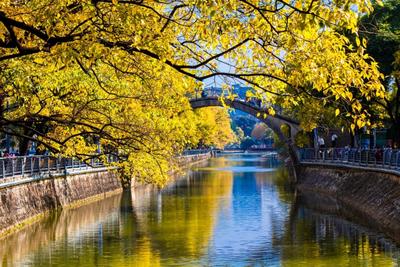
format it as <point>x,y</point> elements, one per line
<point>321,146</point>
<point>334,138</point>
<point>321,142</point>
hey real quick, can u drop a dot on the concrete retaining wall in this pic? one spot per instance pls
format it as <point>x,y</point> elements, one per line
<point>370,197</point>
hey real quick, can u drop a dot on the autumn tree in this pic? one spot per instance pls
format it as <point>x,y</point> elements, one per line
<point>239,134</point>
<point>261,131</point>
<point>120,71</point>
<point>214,127</point>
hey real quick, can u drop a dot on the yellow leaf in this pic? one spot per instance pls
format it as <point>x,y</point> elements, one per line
<point>337,112</point>
<point>271,111</point>
<point>358,41</point>
<point>349,95</point>
<point>360,123</point>
<point>364,42</point>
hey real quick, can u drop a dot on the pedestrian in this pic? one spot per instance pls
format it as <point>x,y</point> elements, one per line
<point>334,138</point>
<point>321,142</point>
<point>321,146</point>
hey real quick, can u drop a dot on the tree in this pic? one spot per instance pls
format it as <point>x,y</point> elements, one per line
<point>261,131</point>
<point>382,31</point>
<point>291,43</point>
<point>239,134</point>
<point>244,121</point>
<point>214,127</point>
<point>246,143</point>
<point>120,71</point>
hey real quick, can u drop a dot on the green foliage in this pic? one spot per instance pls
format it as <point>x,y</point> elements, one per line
<point>302,139</point>
<point>382,31</point>
<point>243,121</point>
<point>246,143</point>
<point>239,134</point>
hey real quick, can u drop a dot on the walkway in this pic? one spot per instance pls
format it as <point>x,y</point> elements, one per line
<point>17,170</point>
<point>373,159</point>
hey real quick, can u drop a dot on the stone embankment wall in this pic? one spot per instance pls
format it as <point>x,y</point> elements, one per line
<point>22,202</point>
<point>186,160</point>
<point>365,195</point>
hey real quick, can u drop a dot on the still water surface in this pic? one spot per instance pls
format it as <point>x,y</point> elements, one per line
<point>235,210</point>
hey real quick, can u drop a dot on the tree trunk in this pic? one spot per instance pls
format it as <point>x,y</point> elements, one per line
<point>23,146</point>
<point>394,134</point>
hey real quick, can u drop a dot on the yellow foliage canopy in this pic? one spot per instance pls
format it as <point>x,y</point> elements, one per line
<point>214,127</point>
<point>120,71</point>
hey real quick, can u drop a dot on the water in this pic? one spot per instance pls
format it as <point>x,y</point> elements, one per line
<point>235,210</point>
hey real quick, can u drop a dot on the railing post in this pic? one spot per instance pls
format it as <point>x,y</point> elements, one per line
<point>23,166</point>
<point>383,158</point>
<point>32,162</point>
<point>397,159</point>
<point>390,160</point>
<point>3,167</point>
<point>57,165</point>
<point>39,165</point>
<point>12,167</point>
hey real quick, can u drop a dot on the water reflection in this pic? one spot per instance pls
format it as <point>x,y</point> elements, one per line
<point>238,210</point>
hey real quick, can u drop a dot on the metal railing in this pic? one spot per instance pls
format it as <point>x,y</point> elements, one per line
<point>191,152</point>
<point>37,166</point>
<point>375,158</point>
<point>217,93</point>
<point>31,166</point>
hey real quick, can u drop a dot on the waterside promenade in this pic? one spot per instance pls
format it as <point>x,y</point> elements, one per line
<point>385,160</point>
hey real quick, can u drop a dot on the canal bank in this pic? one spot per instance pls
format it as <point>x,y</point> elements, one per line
<point>235,210</point>
<point>368,196</point>
<point>26,201</point>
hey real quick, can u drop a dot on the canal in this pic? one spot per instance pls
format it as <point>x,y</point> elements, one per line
<point>234,210</point>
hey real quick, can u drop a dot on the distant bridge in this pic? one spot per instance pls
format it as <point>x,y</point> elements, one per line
<point>259,111</point>
<point>251,108</point>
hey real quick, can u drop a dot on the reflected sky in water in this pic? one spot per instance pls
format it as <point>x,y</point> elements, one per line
<point>235,210</point>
